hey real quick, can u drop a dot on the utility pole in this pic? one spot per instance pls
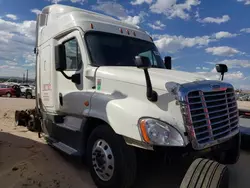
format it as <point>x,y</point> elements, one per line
<point>27,76</point>
<point>23,78</point>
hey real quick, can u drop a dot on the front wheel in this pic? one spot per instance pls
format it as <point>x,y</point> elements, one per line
<point>111,161</point>
<point>206,173</point>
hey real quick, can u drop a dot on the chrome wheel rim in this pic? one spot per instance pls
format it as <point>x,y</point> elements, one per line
<point>103,160</point>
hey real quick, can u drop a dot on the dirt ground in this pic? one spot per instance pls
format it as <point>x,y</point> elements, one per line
<point>26,161</point>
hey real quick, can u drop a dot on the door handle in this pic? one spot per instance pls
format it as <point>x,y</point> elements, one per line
<point>61,99</point>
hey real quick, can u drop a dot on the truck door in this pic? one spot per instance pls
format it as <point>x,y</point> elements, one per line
<point>45,72</point>
<point>71,96</point>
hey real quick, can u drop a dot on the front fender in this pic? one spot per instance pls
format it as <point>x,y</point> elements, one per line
<point>122,113</point>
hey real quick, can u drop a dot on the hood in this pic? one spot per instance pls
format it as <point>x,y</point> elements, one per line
<point>159,77</point>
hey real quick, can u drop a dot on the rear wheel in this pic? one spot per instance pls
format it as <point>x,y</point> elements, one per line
<point>8,94</point>
<point>111,161</point>
<point>204,173</point>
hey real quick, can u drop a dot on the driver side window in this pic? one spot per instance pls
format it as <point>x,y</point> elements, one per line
<point>73,55</point>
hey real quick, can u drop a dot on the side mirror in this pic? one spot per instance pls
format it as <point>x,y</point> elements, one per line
<point>168,62</point>
<point>221,68</point>
<point>60,58</point>
<point>142,62</point>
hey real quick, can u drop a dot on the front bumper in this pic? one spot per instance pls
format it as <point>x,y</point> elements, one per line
<point>188,151</point>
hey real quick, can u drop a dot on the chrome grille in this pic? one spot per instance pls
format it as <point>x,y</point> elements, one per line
<point>213,114</point>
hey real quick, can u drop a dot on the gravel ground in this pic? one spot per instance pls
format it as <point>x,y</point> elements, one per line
<point>26,161</point>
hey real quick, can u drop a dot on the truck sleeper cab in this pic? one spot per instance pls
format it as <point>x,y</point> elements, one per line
<point>98,98</point>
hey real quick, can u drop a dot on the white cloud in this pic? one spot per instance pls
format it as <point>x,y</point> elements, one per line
<point>171,44</point>
<point>11,63</point>
<point>29,65</point>
<point>17,71</point>
<point>157,25</point>
<point>36,11</point>
<point>26,28</point>
<point>118,11</point>
<point>237,78</point>
<point>202,68</point>
<point>235,75</point>
<point>223,51</point>
<point>20,39</point>
<point>133,20</point>
<point>234,63</point>
<point>197,14</point>
<point>173,9</point>
<point>245,30</point>
<point>217,20</point>
<point>78,1</point>
<point>139,2</point>
<point>224,34</point>
<point>73,1</point>
<point>246,2</point>
<point>3,67</point>
<point>205,68</point>
<point>111,8</point>
<point>11,16</point>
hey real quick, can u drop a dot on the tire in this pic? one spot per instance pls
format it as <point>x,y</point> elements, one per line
<point>31,125</point>
<point>204,173</point>
<point>17,116</point>
<point>122,169</point>
<point>28,96</point>
<point>232,155</point>
<point>8,94</point>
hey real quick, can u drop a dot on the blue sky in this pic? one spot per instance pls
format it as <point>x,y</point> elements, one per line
<point>196,33</point>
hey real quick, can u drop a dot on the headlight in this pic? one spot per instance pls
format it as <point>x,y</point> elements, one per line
<point>159,133</point>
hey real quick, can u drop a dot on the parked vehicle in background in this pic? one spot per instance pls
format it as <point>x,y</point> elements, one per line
<point>30,93</point>
<point>27,91</point>
<point>7,90</point>
<point>237,95</point>
<point>243,97</point>
<point>17,90</point>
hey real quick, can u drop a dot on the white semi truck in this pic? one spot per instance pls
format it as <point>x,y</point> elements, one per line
<point>103,92</point>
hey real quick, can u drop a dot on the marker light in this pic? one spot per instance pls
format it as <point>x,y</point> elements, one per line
<point>127,31</point>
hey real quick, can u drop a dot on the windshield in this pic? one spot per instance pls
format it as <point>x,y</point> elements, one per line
<point>115,50</point>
